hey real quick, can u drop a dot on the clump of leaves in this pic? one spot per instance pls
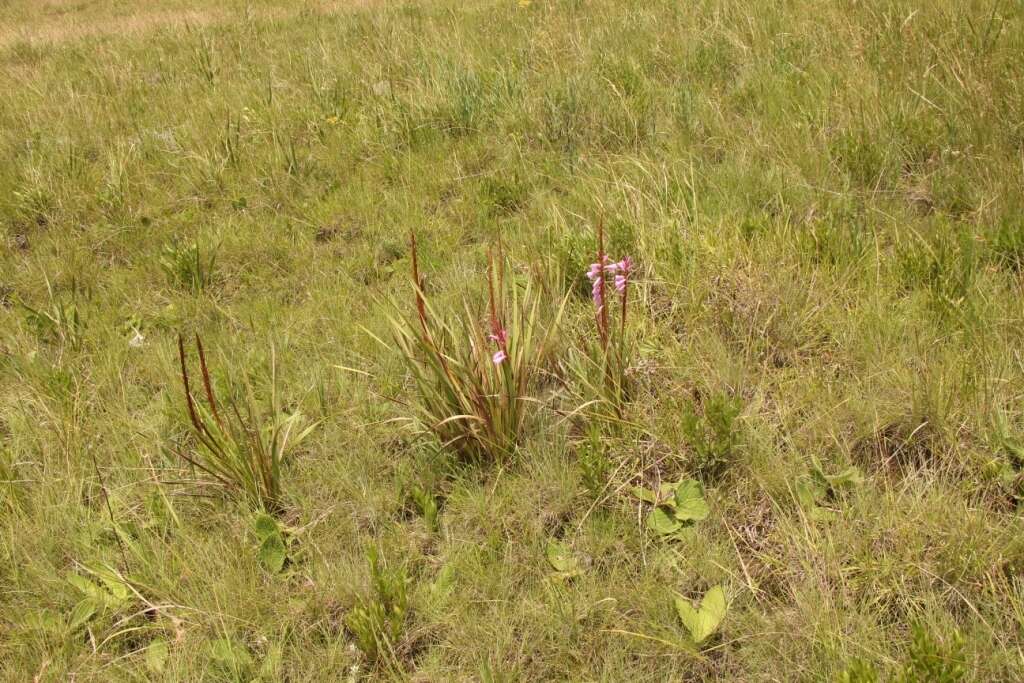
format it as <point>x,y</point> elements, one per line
<point>426,504</point>
<point>473,384</point>
<point>930,661</point>
<point>817,492</point>
<point>273,544</point>
<point>595,466</point>
<point>232,659</point>
<point>188,265</point>
<point>103,593</point>
<point>241,448</point>
<point>713,434</point>
<point>1007,465</point>
<point>565,564</point>
<point>859,671</point>
<point>420,492</point>
<point>703,621</point>
<point>378,620</point>
<point>59,321</point>
<point>677,506</point>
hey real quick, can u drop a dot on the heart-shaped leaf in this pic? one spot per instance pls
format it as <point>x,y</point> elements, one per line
<point>702,622</point>
<point>690,503</point>
<point>661,522</point>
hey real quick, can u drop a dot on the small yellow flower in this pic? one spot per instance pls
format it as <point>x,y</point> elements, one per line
<point>524,3</point>
<point>332,120</point>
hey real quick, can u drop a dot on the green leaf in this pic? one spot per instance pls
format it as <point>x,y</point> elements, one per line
<point>561,559</point>
<point>704,621</point>
<point>806,494</point>
<point>645,495</point>
<point>444,582</point>
<point>265,526</point>
<point>690,503</point>
<point>667,493</point>
<point>662,522</point>
<point>82,613</point>
<point>230,656</point>
<point>84,585</point>
<point>848,479</point>
<point>156,656</point>
<point>273,553</point>
<point>115,585</point>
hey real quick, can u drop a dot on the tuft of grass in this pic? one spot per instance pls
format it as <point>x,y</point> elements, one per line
<point>713,434</point>
<point>378,621</point>
<point>189,265</point>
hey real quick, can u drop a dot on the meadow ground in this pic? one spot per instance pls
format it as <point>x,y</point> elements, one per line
<point>824,204</point>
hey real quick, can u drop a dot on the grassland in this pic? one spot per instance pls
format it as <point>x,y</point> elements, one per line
<point>824,202</point>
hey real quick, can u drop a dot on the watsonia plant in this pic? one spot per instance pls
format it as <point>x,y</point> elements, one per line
<point>242,449</point>
<point>602,368</point>
<point>472,381</point>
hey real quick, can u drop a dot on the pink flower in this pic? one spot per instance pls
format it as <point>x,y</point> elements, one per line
<point>597,269</point>
<point>622,269</point>
<point>499,337</point>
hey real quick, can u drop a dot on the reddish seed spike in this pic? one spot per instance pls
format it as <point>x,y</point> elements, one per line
<point>184,379</point>
<point>207,385</point>
<point>421,308</point>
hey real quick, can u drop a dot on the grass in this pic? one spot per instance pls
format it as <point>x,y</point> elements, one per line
<point>823,204</point>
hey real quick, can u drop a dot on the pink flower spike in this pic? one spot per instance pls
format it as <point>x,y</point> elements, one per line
<point>499,357</point>
<point>620,283</point>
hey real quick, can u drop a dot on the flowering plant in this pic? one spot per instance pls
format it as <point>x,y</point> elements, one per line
<point>611,355</point>
<point>472,381</point>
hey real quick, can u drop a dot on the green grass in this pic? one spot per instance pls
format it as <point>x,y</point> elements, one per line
<point>824,204</point>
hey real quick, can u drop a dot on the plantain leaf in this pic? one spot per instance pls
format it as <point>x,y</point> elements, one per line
<point>264,525</point>
<point>690,503</point>
<point>560,557</point>
<point>273,553</point>
<point>82,613</point>
<point>645,495</point>
<point>661,522</point>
